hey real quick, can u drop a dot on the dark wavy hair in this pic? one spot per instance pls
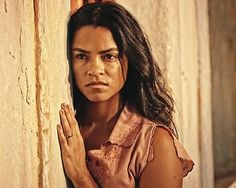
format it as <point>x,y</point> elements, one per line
<point>145,86</point>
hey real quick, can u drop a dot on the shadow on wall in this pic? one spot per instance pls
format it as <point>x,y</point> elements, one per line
<point>222,15</point>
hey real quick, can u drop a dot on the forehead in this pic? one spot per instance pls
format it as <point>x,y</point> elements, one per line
<point>90,38</point>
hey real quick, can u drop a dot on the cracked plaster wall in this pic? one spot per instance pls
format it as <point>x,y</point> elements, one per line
<point>19,130</point>
<point>34,82</point>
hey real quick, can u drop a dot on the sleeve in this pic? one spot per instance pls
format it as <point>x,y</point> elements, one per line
<point>186,161</point>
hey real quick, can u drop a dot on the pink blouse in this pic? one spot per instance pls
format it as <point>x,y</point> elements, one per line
<point>121,159</point>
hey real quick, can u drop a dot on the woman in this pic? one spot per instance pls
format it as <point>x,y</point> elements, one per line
<point>123,132</point>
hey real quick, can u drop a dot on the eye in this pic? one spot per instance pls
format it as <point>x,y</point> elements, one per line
<point>81,57</point>
<point>110,57</point>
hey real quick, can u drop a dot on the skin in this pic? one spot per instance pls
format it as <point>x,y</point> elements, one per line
<point>165,170</point>
<point>95,58</point>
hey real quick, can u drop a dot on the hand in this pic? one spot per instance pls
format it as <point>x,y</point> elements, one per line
<point>72,144</point>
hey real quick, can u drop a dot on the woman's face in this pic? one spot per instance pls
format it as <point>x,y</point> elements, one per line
<point>98,72</point>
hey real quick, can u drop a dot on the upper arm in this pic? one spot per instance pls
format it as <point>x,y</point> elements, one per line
<point>165,170</point>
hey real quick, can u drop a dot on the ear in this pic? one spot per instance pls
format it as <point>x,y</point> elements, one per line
<point>75,5</point>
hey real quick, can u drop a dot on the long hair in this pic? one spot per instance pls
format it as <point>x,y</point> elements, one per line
<point>145,86</point>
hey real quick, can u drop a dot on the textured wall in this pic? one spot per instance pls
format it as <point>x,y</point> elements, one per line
<point>34,80</point>
<point>223,62</point>
<point>19,131</point>
<point>52,84</point>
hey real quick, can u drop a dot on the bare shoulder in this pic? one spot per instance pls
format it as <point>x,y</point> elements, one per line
<point>165,170</point>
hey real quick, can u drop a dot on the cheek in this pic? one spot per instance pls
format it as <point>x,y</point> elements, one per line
<point>122,72</point>
<point>119,74</point>
<point>78,75</point>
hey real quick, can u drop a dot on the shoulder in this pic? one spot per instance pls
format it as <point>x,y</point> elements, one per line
<point>155,144</point>
<point>165,170</point>
<point>163,139</point>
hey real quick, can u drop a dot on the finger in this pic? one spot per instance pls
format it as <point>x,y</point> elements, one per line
<point>62,139</point>
<point>74,123</point>
<point>71,118</point>
<point>65,125</point>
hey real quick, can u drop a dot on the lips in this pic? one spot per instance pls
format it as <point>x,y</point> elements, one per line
<point>97,83</point>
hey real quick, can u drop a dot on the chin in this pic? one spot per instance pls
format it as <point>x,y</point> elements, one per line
<point>98,98</point>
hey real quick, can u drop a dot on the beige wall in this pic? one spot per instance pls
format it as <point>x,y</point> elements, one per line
<point>34,82</point>
<point>52,84</point>
<point>19,130</point>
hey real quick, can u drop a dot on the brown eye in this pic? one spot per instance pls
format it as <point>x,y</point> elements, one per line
<point>109,57</point>
<point>81,57</point>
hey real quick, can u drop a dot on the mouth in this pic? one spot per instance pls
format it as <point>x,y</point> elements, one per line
<point>96,84</point>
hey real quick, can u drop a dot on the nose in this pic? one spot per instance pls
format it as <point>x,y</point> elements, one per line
<point>96,67</point>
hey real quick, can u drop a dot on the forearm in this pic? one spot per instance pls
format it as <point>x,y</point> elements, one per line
<point>85,181</point>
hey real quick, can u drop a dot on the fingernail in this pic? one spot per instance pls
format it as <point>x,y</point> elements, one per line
<point>62,112</point>
<point>63,105</point>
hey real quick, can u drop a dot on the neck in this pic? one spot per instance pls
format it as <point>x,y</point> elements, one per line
<point>101,112</point>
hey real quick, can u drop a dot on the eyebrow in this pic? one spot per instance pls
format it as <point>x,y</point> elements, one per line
<point>100,52</point>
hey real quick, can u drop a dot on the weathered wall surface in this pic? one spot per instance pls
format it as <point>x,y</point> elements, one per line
<point>223,62</point>
<point>204,95</point>
<point>19,158</point>
<point>34,79</point>
<point>178,32</point>
<point>52,84</point>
